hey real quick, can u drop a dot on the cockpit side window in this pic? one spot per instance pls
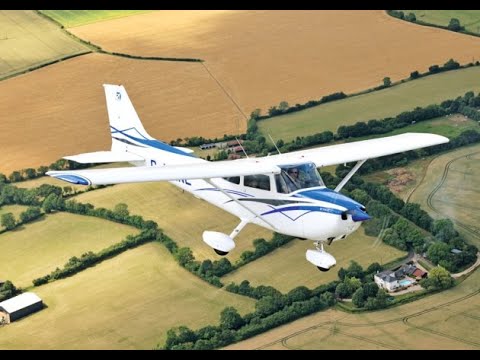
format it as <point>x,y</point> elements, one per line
<point>296,177</point>
<point>257,181</point>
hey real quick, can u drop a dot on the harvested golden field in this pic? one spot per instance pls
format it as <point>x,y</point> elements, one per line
<point>264,57</point>
<point>60,109</point>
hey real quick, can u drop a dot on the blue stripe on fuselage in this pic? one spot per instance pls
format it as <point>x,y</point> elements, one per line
<point>304,208</point>
<point>331,197</point>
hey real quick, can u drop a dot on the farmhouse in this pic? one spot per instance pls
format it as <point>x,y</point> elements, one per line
<point>386,280</point>
<point>19,306</point>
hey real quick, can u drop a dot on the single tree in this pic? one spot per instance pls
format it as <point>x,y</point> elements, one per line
<point>8,221</point>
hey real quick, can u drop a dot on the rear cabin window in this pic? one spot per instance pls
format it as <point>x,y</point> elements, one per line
<point>261,182</point>
<point>233,179</point>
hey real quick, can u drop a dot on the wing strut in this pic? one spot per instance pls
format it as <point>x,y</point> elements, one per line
<point>242,205</point>
<point>349,175</point>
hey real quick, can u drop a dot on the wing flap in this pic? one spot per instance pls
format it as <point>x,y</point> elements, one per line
<point>104,157</point>
<point>202,170</point>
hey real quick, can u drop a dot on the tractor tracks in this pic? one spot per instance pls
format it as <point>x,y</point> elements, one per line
<point>472,230</point>
<point>370,340</point>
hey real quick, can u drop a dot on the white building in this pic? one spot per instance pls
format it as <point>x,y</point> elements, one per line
<point>386,280</point>
<point>19,306</point>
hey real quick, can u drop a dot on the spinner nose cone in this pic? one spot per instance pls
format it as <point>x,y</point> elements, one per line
<point>359,214</point>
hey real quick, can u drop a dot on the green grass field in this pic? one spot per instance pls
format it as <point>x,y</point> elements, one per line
<point>27,40</point>
<point>442,321</point>
<point>470,19</point>
<point>71,18</point>
<point>375,105</point>
<point>182,216</point>
<point>455,175</point>
<point>37,248</point>
<point>128,302</point>
<point>287,268</point>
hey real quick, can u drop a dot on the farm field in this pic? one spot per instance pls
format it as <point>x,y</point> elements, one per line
<point>375,105</point>
<point>37,248</point>
<point>27,40</point>
<point>328,51</point>
<point>182,216</point>
<point>401,180</point>
<point>470,19</point>
<point>450,190</point>
<point>441,321</point>
<point>40,126</point>
<point>127,302</point>
<point>286,268</point>
<point>71,18</point>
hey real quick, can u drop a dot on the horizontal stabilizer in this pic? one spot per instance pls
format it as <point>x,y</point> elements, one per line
<point>202,170</point>
<point>104,157</point>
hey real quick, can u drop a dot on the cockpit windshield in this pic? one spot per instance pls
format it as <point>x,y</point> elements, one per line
<point>296,177</point>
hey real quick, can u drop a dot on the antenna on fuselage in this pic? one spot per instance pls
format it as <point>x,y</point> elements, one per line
<point>241,146</point>
<point>279,153</point>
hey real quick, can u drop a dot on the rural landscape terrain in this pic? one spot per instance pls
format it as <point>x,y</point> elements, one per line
<point>125,267</point>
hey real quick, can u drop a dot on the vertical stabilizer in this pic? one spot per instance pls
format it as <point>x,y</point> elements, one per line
<point>124,121</point>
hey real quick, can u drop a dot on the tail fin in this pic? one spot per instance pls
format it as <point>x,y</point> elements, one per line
<point>124,121</point>
<point>127,129</point>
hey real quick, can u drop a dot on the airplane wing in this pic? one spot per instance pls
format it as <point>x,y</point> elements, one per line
<point>104,157</point>
<point>323,156</point>
<point>359,150</point>
<point>197,170</point>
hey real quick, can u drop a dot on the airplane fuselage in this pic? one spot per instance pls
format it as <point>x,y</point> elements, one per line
<point>301,214</point>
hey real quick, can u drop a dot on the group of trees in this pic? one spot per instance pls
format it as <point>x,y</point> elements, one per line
<point>8,290</point>
<point>358,285</point>
<point>271,310</point>
<point>31,173</point>
<point>453,24</point>
<point>438,279</point>
<point>9,222</point>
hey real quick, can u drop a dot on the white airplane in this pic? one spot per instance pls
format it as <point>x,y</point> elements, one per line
<point>263,191</point>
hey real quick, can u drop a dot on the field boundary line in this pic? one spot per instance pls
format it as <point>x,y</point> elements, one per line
<point>96,48</point>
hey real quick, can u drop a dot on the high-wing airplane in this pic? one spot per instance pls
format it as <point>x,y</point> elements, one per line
<point>283,193</point>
